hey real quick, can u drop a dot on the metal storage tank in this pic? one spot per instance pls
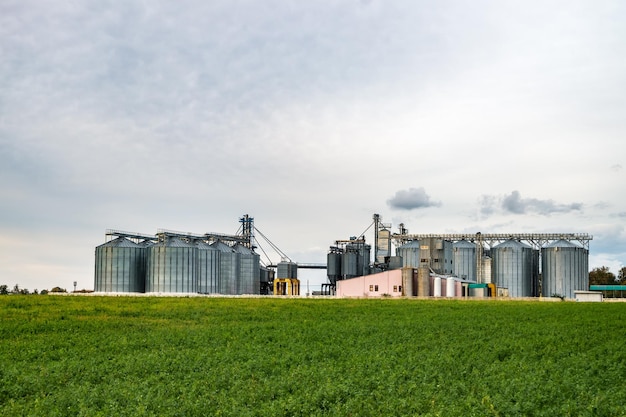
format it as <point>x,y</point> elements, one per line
<point>171,266</point>
<point>120,266</point>
<point>208,269</point>
<point>515,266</point>
<point>450,287</point>
<point>362,252</point>
<point>249,272</point>
<point>333,264</point>
<point>437,287</point>
<point>565,269</point>
<point>229,269</point>
<point>350,264</point>
<point>287,270</point>
<point>464,260</point>
<point>410,253</point>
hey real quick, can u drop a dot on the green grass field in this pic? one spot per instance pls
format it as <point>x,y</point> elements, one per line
<point>116,356</point>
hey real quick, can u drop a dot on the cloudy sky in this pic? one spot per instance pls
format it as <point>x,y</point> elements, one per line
<point>449,116</point>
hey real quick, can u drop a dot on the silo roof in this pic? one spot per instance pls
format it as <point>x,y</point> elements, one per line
<point>204,246</point>
<point>512,243</point>
<point>562,243</point>
<point>222,246</point>
<point>242,249</point>
<point>464,244</point>
<point>411,244</point>
<point>120,242</point>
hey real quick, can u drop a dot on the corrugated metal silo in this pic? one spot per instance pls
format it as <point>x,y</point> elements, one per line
<point>120,267</point>
<point>208,269</point>
<point>515,266</point>
<point>229,268</point>
<point>249,280</point>
<point>565,269</point>
<point>464,260</point>
<point>410,253</point>
<point>171,266</point>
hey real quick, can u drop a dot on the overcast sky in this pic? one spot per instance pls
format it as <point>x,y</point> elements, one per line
<point>449,116</point>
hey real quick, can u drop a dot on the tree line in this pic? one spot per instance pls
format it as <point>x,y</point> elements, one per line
<point>603,276</point>
<point>4,290</point>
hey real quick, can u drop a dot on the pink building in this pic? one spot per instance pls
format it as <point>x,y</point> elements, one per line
<point>375,285</point>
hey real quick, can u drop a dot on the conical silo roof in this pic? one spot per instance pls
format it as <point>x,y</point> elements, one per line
<point>562,243</point>
<point>120,242</point>
<point>512,243</point>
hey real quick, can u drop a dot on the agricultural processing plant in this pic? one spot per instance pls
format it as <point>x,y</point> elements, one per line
<point>269,356</point>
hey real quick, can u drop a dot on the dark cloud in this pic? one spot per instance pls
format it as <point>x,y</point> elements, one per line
<point>514,203</point>
<point>410,199</point>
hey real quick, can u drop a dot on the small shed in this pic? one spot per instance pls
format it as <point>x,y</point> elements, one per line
<point>588,296</point>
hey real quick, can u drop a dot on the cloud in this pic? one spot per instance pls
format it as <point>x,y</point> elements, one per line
<point>616,168</point>
<point>410,199</point>
<point>514,203</point>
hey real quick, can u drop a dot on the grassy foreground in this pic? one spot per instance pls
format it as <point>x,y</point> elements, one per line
<point>89,356</point>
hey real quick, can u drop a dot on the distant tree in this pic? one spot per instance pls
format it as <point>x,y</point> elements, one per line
<point>601,276</point>
<point>16,289</point>
<point>44,292</point>
<point>4,289</point>
<point>621,276</point>
<point>58,289</point>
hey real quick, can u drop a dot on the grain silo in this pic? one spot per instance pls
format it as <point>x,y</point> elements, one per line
<point>565,269</point>
<point>333,265</point>
<point>120,266</point>
<point>249,272</point>
<point>515,266</point>
<point>410,253</point>
<point>229,269</point>
<point>208,269</point>
<point>171,266</point>
<point>464,255</point>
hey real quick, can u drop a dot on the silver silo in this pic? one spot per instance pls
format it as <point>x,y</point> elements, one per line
<point>249,272</point>
<point>464,260</point>
<point>171,266</point>
<point>208,269</point>
<point>410,253</point>
<point>229,268</point>
<point>120,266</point>
<point>515,266</point>
<point>565,269</point>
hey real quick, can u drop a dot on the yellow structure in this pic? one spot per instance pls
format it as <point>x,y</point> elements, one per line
<point>286,286</point>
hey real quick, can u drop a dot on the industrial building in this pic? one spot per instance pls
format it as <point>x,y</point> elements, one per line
<point>424,265</point>
<point>459,265</point>
<point>175,262</point>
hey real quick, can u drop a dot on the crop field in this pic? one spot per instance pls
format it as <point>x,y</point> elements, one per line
<point>143,356</point>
